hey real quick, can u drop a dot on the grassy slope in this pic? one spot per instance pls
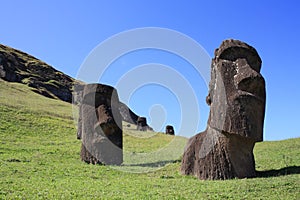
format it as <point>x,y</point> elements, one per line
<point>39,159</point>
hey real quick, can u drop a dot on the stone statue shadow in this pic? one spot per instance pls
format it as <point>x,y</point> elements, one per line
<point>153,164</point>
<point>279,172</point>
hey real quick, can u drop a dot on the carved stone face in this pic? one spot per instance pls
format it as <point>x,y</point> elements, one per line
<point>237,91</point>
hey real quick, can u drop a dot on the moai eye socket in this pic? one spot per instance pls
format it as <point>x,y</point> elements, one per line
<point>253,85</point>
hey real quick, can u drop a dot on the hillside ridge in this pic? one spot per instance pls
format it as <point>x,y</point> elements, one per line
<point>18,66</point>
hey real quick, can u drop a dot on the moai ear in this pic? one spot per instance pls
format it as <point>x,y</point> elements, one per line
<point>208,99</point>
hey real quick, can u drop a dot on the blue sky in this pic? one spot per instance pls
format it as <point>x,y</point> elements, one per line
<point>63,33</point>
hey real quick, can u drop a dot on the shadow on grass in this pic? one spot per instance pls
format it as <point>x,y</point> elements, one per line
<point>153,164</point>
<point>279,172</point>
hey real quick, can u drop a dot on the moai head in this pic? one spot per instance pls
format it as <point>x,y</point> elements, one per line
<point>237,91</point>
<point>142,124</point>
<point>99,94</point>
<point>170,130</point>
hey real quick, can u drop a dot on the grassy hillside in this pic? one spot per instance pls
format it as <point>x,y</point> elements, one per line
<point>39,159</point>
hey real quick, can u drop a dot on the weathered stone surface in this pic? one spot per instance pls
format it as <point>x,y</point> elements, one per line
<point>142,124</point>
<point>237,106</point>
<point>100,125</point>
<point>170,130</point>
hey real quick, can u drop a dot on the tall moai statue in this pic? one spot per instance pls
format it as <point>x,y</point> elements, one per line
<point>100,125</point>
<point>237,108</point>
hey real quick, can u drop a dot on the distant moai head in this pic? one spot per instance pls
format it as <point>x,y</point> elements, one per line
<point>170,130</point>
<point>237,91</point>
<point>141,124</point>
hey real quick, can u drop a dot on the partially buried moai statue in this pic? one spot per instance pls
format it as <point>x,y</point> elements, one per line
<point>141,124</point>
<point>237,107</point>
<point>170,130</point>
<point>100,125</point>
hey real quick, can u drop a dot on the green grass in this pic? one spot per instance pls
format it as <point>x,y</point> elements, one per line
<point>40,159</point>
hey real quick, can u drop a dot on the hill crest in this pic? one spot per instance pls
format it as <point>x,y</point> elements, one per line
<point>18,66</point>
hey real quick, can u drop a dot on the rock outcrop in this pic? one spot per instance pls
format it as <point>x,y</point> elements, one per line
<point>100,125</point>
<point>237,106</point>
<point>17,66</point>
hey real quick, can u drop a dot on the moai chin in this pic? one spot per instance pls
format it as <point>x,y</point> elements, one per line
<point>237,108</point>
<point>100,125</point>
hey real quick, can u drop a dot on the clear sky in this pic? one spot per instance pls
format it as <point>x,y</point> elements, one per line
<point>63,33</point>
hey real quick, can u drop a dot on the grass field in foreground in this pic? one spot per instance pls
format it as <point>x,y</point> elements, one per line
<point>39,159</point>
